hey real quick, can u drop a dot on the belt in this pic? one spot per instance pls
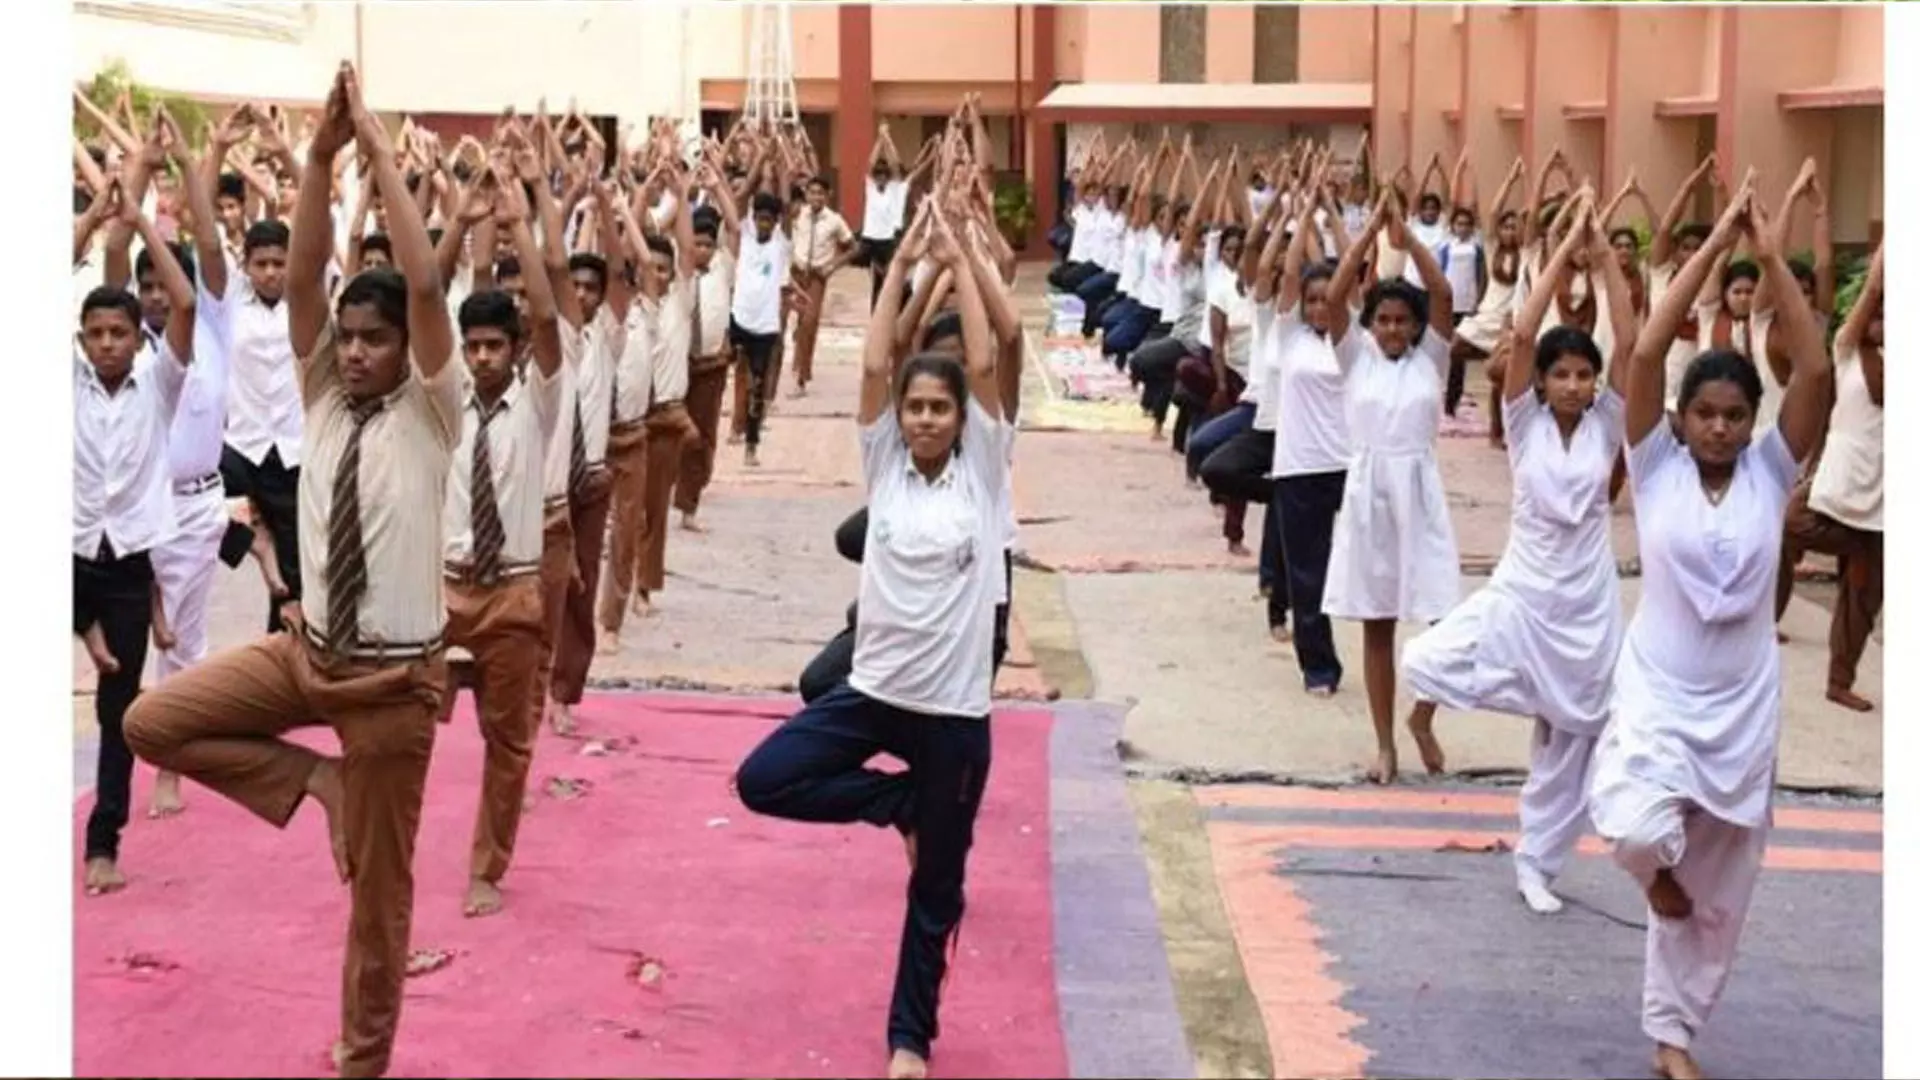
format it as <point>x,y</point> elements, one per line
<point>664,406</point>
<point>197,484</point>
<point>464,574</point>
<point>624,426</point>
<point>374,652</point>
<point>554,502</point>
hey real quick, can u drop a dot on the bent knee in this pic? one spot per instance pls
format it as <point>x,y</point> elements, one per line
<point>146,735</point>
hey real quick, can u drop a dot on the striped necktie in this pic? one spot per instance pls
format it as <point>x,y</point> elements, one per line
<point>489,535</point>
<point>577,465</point>
<point>346,550</point>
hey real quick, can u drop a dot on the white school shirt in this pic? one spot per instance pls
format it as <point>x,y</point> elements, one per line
<point>1237,306</point>
<point>1263,381</point>
<point>1458,260</point>
<point>759,274</point>
<point>557,468</point>
<point>121,489</point>
<point>1082,217</point>
<point>1153,275</point>
<point>265,412</point>
<point>886,210</point>
<point>1696,691</point>
<point>1109,228</point>
<point>671,344</point>
<point>1847,483</point>
<point>633,364</point>
<point>1312,427</point>
<point>198,433</point>
<point>1130,262</point>
<point>602,340</point>
<point>517,441</point>
<point>1422,233</point>
<point>716,301</point>
<point>933,570</point>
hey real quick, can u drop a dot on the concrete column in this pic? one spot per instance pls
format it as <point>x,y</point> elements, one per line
<point>854,120</point>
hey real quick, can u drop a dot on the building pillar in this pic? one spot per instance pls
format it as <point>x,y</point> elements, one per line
<point>854,121</point>
<point>1043,163</point>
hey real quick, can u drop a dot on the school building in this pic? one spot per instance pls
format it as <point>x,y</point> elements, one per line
<point>1646,86</point>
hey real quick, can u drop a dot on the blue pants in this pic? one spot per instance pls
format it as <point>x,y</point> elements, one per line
<point>1131,329</point>
<point>1092,292</point>
<point>814,768</point>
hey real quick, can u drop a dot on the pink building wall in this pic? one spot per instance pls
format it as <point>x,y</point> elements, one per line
<point>1336,43</point>
<point>1494,42</point>
<point>1229,43</point>
<point>1122,44</point>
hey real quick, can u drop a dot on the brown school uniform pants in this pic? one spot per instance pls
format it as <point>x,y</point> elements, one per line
<point>501,625</point>
<point>627,457</point>
<point>220,723</point>
<point>556,573</point>
<point>669,430</point>
<point>1862,566</point>
<point>573,651</point>
<point>807,333</point>
<point>706,386</point>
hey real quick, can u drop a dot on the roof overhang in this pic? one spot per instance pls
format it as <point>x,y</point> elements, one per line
<point>1209,102</point>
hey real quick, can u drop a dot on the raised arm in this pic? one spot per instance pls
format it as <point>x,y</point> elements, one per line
<point>1340,289</point>
<point>1620,313</point>
<point>1526,325</point>
<point>1661,251</point>
<point>105,205</point>
<point>511,214</point>
<point>1439,289</point>
<point>312,228</point>
<point>876,362</point>
<point>977,344</point>
<point>197,178</point>
<point>1809,395</point>
<point>1853,331</point>
<point>173,280</point>
<point>429,330</point>
<point>1647,381</point>
<point>1296,260</point>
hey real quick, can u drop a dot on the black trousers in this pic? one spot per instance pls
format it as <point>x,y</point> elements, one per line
<point>814,768</point>
<point>831,666</point>
<point>876,256</point>
<point>1154,366</point>
<point>117,593</point>
<point>758,349</point>
<point>1069,276</point>
<point>1307,506</point>
<point>274,490</point>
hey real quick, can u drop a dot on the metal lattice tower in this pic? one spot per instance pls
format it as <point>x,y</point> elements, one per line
<point>770,94</point>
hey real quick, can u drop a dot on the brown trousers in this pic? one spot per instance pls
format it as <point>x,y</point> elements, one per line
<point>807,333</point>
<point>627,457</point>
<point>573,651</point>
<point>1862,566</point>
<point>706,386</point>
<point>220,723</point>
<point>556,574</point>
<point>669,430</point>
<point>501,626</point>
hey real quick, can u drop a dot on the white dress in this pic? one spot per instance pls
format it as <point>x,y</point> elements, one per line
<point>1393,550</point>
<point>1540,640</point>
<point>1696,707</point>
<point>1494,315</point>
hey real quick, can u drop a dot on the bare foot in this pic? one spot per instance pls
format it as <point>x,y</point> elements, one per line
<point>1497,442</point>
<point>1237,549</point>
<point>327,789</point>
<point>1320,691</point>
<point>1675,1064</point>
<point>163,639</point>
<point>97,651</point>
<point>1420,722</point>
<point>1159,432</point>
<point>799,391</point>
<point>338,1055</point>
<point>735,439</point>
<point>691,523</point>
<point>104,876</point>
<point>906,1065</point>
<point>1386,768</point>
<point>166,796</point>
<point>1281,633</point>
<point>609,643</point>
<point>1667,898</point>
<point>562,719</point>
<point>1849,699</point>
<point>753,457</point>
<point>642,606</point>
<point>483,899</point>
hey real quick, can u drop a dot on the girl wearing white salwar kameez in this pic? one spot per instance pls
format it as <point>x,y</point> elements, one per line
<point>1683,776</point>
<point>1541,638</point>
<point>1394,556</point>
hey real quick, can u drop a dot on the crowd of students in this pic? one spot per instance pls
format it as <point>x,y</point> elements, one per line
<point>1308,328</point>
<point>272,377</point>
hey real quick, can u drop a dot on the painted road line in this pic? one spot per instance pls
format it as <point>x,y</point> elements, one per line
<point>1804,819</point>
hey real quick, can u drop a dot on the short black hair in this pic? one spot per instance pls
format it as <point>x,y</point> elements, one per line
<point>507,266</point>
<point>231,186</point>
<point>491,308</point>
<point>1693,231</point>
<point>1738,269</point>
<point>377,242</point>
<point>1565,341</point>
<point>266,234</point>
<point>1405,292</point>
<point>1627,232</point>
<point>1428,198</point>
<point>659,245</point>
<point>766,203</point>
<point>818,181</point>
<point>182,254</point>
<point>947,324</point>
<point>591,263</point>
<point>110,298</point>
<point>384,288</point>
<point>1720,365</point>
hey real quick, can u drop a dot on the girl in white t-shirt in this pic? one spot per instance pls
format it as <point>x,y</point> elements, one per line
<point>1683,776</point>
<point>933,444</point>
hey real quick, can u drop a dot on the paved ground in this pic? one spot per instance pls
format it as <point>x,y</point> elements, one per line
<point>1129,600</point>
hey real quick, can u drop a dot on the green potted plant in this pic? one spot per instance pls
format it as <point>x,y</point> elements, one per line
<point>115,79</point>
<point>1013,209</point>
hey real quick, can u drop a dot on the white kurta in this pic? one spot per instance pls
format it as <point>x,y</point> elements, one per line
<point>1393,550</point>
<point>1697,689</point>
<point>1494,315</point>
<point>1540,640</point>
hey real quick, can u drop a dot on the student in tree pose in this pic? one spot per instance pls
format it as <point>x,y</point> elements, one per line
<point>1541,638</point>
<point>1683,776</point>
